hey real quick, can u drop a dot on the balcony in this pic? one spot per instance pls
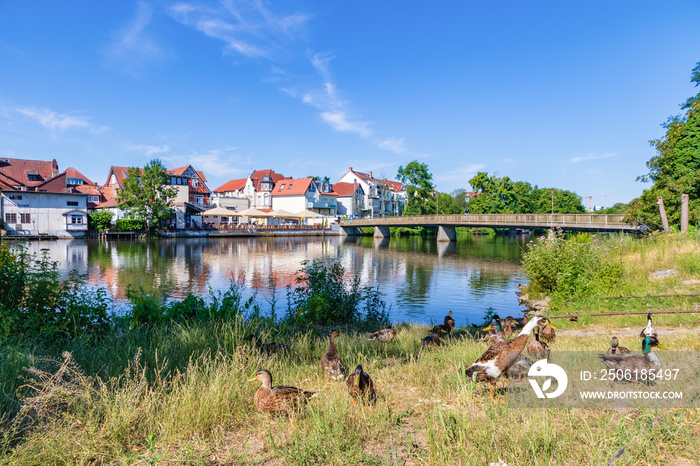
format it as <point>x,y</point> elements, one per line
<point>320,205</point>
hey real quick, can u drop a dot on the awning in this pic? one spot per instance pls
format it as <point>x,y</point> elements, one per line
<point>280,213</point>
<point>253,212</point>
<point>221,212</point>
<point>309,214</point>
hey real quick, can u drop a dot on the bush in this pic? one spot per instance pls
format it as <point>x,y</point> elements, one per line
<point>130,224</point>
<point>323,298</point>
<point>577,266</point>
<point>100,220</point>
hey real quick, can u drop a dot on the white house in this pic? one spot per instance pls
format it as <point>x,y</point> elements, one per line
<point>351,199</point>
<point>256,188</point>
<point>296,195</point>
<point>382,197</point>
<point>44,213</point>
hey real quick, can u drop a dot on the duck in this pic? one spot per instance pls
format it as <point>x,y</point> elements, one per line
<point>270,348</point>
<point>648,330</point>
<point>615,349</point>
<point>537,348</point>
<point>494,326</point>
<point>449,320</point>
<point>445,327</point>
<point>331,362</point>
<point>385,334</point>
<point>521,365</point>
<point>431,340</point>
<point>508,326</point>
<point>548,334</point>
<point>501,356</point>
<point>635,364</point>
<point>279,399</point>
<point>360,385</point>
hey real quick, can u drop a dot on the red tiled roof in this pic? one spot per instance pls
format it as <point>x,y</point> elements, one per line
<point>258,175</point>
<point>233,185</point>
<point>292,187</point>
<point>181,170</point>
<point>120,172</point>
<point>73,173</point>
<point>19,169</point>
<point>345,189</point>
<point>395,186</point>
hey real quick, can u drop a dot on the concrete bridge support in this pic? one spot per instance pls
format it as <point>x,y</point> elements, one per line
<point>382,232</point>
<point>349,231</point>
<point>446,234</point>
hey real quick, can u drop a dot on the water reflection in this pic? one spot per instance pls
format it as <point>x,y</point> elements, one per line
<point>421,279</point>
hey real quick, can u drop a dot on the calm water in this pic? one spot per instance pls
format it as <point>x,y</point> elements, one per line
<point>421,280</point>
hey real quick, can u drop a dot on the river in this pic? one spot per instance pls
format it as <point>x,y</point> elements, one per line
<point>421,280</point>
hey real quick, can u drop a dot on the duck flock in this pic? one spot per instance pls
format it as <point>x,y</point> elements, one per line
<point>503,357</point>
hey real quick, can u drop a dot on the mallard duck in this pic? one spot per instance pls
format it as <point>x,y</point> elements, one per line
<point>385,334</point>
<point>508,326</point>
<point>615,349</point>
<point>537,348</point>
<point>634,364</point>
<point>278,399</point>
<point>360,385</point>
<point>270,348</point>
<point>501,356</point>
<point>331,362</point>
<point>445,327</point>
<point>548,334</point>
<point>431,340</point>
<point>494,326</point>
<point>449,320</point>
<point>648,330</point>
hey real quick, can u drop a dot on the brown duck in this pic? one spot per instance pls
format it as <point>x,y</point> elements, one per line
<point>331,362</point>
<point>279,399</point>
<point>431,340</point>
<point>616,349</point>
<point>385,334</point>
<point>360,385</point>
<point>501,356</point>
<point>538,349</point>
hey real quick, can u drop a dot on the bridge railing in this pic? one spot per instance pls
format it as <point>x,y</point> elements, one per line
<point>524,220</point>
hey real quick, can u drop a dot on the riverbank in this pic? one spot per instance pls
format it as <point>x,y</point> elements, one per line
<point>181,396</point>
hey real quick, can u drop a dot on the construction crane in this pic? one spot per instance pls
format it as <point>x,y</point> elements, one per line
<point>590,199</point>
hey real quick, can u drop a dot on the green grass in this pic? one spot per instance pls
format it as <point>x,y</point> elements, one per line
<point>194,405</point>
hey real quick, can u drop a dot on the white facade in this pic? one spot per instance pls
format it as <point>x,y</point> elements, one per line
<point>352,206</point>
<point>42,213</point>
<point>380,199</point>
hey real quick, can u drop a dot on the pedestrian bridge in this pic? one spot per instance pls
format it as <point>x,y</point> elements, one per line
<point>446,223</point>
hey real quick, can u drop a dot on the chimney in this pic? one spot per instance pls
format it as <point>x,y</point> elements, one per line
<point>370,175</point>
<point>350,168</point>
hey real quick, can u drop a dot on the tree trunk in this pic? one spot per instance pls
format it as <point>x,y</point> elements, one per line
<point>662,212</point>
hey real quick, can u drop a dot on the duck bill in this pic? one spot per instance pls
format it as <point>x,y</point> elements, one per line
<point>253,379</point>
<point>488,327</point>
<point>661,347</point>
<point>356,382</point>
<point>550,325</point>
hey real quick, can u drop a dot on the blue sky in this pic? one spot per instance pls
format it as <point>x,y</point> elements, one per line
<point>559,94</point>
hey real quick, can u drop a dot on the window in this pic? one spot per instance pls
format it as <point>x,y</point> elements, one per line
<point>72,203</point>
<point>74,181</point>
<point>282,186</point>
<point>10,218</point>
<point>33,178</point>
<point>290,186</point>
<point>94,199</point>
<point>16,197</point>
<point>195,183</point>
<point>76,219</point>
<point>25,218</point>
<point>199,199</point>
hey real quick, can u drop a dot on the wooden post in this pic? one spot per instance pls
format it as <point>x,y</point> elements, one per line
<point>684,212</point>
<point>662,212</point>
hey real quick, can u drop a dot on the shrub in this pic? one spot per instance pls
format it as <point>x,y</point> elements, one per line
<point>571,267</point>
<point>129,224</point>
<point>322,297</point>
<point>100,220</point>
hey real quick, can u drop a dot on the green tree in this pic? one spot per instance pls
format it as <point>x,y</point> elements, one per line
<point>419,187</point>
<point>146,194</point>
<point>675,169</point>
<point>100,220</point>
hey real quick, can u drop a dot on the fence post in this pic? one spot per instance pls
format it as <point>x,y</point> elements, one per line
<point>662,212</point>
<point>684,212</point>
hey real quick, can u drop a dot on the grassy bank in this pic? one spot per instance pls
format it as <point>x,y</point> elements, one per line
<point>181,396</point>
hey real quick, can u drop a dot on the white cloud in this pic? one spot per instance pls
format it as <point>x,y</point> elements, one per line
<point>215,163</point>
<point>245,27</point>
<point>394,145</point>
<point>55,121</point>
<point>148,151</point>
<point>461,173</point>
<point>591,156</point>
<point>339,121</point>
<point>133,48</point>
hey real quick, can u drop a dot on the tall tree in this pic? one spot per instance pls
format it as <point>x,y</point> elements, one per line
<point>146,194</point>
<point>675,169</point>
<point>419,187</point>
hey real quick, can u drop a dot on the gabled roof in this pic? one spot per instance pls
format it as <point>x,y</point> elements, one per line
<point>292,187</point>
<point>346,189</point>
<point>395,186</point>
<point>181,170</point>
<point>258,175</point>
<point>121,174</point>
<point>20,169</point>
<point>232,185</point>
<point>73,173</point>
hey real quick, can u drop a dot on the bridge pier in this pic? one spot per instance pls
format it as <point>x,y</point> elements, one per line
<point>446,234</point>
<point>349,231</point>
<point>381,232</point>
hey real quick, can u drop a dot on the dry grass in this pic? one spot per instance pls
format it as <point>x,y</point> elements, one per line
<point>426,413</point>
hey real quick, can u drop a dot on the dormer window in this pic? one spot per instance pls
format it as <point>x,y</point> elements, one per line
<point>33,176</point>
<point>74,181</point>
